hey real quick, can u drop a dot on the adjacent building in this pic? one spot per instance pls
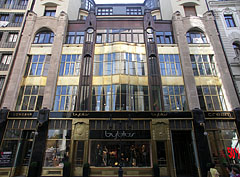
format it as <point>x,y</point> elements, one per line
<point>144,88</point>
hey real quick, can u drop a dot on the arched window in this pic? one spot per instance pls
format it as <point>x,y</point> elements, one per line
<point>236,47</point>
<point>195,36</point>
<point>44,37</point>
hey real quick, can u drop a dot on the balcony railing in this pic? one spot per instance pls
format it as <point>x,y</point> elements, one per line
<point>8,45</point>
<point>14,24</point>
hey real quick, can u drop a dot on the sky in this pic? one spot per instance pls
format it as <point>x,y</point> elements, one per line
<point>117,1</point>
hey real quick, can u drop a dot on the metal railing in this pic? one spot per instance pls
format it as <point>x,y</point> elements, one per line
<point>8,45</point>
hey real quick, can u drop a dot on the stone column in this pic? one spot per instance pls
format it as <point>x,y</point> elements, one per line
<point>49,91</point>
<point>189,81</point>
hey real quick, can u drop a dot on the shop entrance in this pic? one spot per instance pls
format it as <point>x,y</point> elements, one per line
<point>185,162</point>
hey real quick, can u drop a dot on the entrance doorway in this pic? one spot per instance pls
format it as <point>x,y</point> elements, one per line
<point>185,162</point>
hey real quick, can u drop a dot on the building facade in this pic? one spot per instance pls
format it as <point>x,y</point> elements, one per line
<point>145,87</point>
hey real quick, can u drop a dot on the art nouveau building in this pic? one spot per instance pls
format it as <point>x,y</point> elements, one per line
<point>141,86</point>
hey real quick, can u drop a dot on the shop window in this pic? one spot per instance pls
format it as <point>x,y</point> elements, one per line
<point>164,37</point>
<point>30,98</point>
<point>211,98</point>
<point>50,11</point>
<point>17,142</point>
<point>105,11</point>
<point>12,37</point>
<point>5,62</point>
<point>236,47</point>
<point>203,65</point>
<point>134,11</point>
<point>181,124</point>
<point>75,38</point>
<point>58,143</point>
<point>2,80</point>
<point>161,154</point>
<point>170,65</point>
<point>37,65</point>
<point>44,37</point>
<point>65,98</point>
<point>174,98</point>
<point>196,37</point>
<point>120,97</point>
<point>120,63</point>
<point>229,21</point>
<point>70,65</point>
<point>190,11</point>
<point>4,17</point>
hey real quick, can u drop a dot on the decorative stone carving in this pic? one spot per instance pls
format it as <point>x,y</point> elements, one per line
<point>161,129</point>
<point>80,131</point>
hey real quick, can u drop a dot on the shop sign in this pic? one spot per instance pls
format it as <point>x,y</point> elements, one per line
<point>120,134</point>
<point>5,159</point>
<point>222,114</point>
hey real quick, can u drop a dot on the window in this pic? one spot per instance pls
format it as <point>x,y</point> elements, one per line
<point>5,62</point>
<point>37,65</point>
<point>105,11</point>
<point>30,98</point>
<point>58,143</point>
<point>120,97</point>
<point>75,38</point>
<point>190,11</point>
<point>4,17</point>
<point>164,37</point>
<point>134,11</point>
<point>120,63</point>
<point>65,98</point>
<point>170,65</point>
<point>174,98</point>
<point>236,47</point>
<point>203,65</point>
<point>88,4</point>
<point>196,37</point>
<point>229,21</point>
<point>44,37</point>
<point>2,79</point>
<point>23,2</point>
<point>89,35</point>
<point>156,96</point>
<point>70,65</point>
<point>18,19</point>
<point>50,11</point>
<point>211,98</point>
<point>12,37</point>
<point>84,96</point>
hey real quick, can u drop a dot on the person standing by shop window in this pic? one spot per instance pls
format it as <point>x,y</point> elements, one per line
<point>98,154</point>
<point>144,155</point>
<point>133,156</point>
<point>105,156</point>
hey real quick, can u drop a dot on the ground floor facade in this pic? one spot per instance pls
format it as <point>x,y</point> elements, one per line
<point>172,144</point>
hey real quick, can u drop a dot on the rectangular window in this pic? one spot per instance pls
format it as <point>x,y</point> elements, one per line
<point>30,98</point>
<point>37,65</point>
<point>12,37</point>
<point>75,38</point>
<point>2,79</point>
<point>105,11</point>
<point>190,11</point>
<point>164,37</point>
<point>5,62</point>
<point>170,65</point>
<point>23,2</point>
<point>229,21</point>
<point>18,18</point>
<point>4,17</point>
<point>211,98</point>
<point>134,11</point>
<point>70,65</point>
<point>58,143</point>
<point>203,65</point>
<point>65,98</point>
<point>50,11</point>
<point>174,98</point>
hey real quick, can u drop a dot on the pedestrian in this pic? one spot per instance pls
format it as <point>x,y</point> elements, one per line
<point>235,172</point>
<point>213,171</point>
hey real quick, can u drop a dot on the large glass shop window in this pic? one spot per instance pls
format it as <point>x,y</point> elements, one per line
<point>126,144</point>
<point>58,143</point>
<point>16,147</point>
<point>223,141</point>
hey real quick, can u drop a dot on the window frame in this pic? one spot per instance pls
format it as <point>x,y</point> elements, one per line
<point>229,20</point>
<point>45,40</point>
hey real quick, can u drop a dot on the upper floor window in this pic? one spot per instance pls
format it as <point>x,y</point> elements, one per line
<point>50,11</point>
<point>70,65</point>
<point>23,2</point>
<point>196,37</point>
<point>88,4</point>
<point>2,79</point>
<point>170,65</point>
<point>190,11</point>
<point>44,37</point>
<point>236,47</point>
<point>12,37</point>
<point>75,38</point>
<point>105,11</point>
<point>134,11</point>
<point>164,37</point>
<point>18,18</point>
<point>229,21</point>
<point>4,17</point>
<point>5,62</point>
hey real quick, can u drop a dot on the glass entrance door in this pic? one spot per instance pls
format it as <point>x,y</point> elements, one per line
<point>185,162</point>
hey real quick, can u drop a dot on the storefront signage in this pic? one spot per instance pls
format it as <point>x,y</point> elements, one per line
<point>218,114</point>
<point>79,114</point>
<point>5,159</point>
<point>120,134</point>
<point>22,114</point>
<point>233,153</point>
